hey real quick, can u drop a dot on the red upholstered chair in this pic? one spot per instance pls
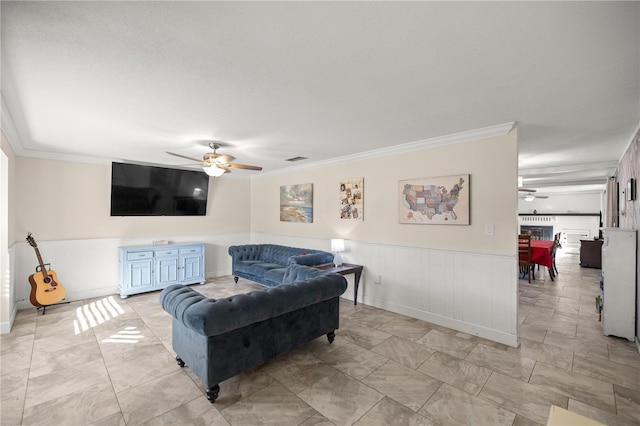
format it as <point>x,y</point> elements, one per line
<point>524,256</point>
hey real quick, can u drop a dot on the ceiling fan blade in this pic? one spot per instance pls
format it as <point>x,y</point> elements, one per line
<point>242,166</point>
<point>526,190</point>
<point>183,156</point>
<point>541,196</point>
<point>218,158</point>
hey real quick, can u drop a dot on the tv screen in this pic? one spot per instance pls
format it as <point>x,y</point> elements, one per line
<point>138,190</point>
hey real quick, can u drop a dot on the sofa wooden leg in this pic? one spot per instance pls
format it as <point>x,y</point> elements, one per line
<point>235,279</point>
<point>212,393</point>
<point>180,361</point>
<point>331,336</point>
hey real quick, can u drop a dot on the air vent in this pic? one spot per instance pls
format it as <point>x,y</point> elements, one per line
<point>293,159</point>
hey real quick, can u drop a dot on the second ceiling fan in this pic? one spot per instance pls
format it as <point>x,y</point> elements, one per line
<point>529,194</point>
<point>215,164</point>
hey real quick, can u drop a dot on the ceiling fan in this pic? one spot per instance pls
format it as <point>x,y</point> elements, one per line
<point>215,164</point>
<point>529,194</point>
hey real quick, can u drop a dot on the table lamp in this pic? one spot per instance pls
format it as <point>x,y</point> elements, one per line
<point>337,246</point>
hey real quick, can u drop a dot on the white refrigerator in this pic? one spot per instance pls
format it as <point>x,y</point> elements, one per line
<point>619,282</point>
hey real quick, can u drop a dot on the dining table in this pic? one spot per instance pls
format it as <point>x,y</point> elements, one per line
<point>541,254</point>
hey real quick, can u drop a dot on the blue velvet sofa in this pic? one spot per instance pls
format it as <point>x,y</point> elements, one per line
<point>218,339</point>
<point>266,263</point>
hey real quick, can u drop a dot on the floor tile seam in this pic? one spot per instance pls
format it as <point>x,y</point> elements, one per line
<point>427,401</point>
<point>616,396</point>
<point>368,411</point>
<point>116,394</point>
<point>486,380</point>
<point>25,408</point>
<point>26,387</point>
<point>427,360</point>
<point>616,414</point>
<point>489,401</point>
<point>297,393</point>
<point>150,421</point>
<point>588,377</point>
<point>606,379</point>
<point>612,361</point>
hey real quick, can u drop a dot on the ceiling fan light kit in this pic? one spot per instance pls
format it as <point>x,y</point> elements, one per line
<point>213,170</point>
<point>215,164</point>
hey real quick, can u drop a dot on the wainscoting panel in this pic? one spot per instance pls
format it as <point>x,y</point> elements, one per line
<point>89,268</point>
<point>472,292</point>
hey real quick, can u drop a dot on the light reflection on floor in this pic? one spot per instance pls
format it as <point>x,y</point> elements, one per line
<point>128,335</point>
<point>95,313</point>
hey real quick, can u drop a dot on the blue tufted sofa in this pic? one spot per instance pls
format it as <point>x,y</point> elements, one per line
<point>218,339</point>
<point>266,263</point>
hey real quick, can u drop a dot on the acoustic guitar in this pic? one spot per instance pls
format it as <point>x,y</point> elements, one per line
<point>45,289</point>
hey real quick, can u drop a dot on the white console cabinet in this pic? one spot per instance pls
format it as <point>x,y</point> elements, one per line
<point>619,282</point>
<point>150,268</point>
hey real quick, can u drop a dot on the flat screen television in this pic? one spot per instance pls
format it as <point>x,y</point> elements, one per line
<point>138,190</point>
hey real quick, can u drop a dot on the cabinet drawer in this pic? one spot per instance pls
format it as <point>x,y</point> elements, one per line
<point>191,250</point>
<point>136,255</point>
<point>166,252</point>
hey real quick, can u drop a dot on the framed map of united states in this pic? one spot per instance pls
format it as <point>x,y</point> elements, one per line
<point>440,200</point>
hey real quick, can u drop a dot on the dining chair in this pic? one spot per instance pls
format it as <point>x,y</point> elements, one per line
<point>556,245</point>
<point>524,256</point>
<point>536,234</point>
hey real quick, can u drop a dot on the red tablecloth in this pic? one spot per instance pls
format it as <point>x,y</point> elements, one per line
<point>541,252</point>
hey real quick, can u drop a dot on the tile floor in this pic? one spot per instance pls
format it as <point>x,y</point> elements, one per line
<point>109,362</point>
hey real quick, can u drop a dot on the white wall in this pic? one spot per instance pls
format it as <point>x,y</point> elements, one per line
<point>455,276</point>
<point>491,163</point>
<point>6,296</point>
<point>7,177</point>
<point>66,207</point>
<point>451,275</point>
<point>89,267</point>
<point>472,292</point>
<point>589,202</point>
<point>62,200</point>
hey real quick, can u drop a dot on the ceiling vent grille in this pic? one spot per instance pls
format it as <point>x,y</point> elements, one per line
<point>294,159</point>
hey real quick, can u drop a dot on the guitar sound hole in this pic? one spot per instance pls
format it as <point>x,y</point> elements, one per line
<point>47,280</point>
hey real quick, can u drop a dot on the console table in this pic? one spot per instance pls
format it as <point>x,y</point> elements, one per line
<point>346,269</point>
<point>150,268</point>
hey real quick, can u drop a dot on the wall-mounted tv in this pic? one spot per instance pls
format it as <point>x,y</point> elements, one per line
<point>138,190</point>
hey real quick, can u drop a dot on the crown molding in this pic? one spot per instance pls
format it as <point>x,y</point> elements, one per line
<point>454,138</point>
<point>9,129</point>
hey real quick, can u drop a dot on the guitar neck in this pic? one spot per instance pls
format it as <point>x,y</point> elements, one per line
<point>41,263</point>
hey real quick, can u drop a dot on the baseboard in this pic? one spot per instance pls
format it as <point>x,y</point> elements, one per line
<point>465,327</point>
<point>5,327</point>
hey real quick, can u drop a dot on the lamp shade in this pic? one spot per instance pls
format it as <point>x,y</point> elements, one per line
<point>214,171</point>
<point>337,245</point>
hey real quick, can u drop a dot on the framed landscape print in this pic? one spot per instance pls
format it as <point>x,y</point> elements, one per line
<point>351,199</point>
<point>434,201</point>
<point>296,203</point>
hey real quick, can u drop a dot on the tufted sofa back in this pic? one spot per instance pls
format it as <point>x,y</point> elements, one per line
<point>277,254</point>
<point>211,317</point>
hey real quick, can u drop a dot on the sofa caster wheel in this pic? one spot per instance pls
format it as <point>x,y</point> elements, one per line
<point>212,393</point>
<point>180,361</point>
<point>331,336</point>
<point>235,279</point>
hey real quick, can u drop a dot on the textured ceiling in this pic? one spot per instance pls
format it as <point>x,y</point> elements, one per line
<point>102,81</point>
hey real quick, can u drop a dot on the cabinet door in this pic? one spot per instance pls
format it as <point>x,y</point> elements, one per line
<point>192,268</point>
<point>167,270</point>
<point>139,273</point>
